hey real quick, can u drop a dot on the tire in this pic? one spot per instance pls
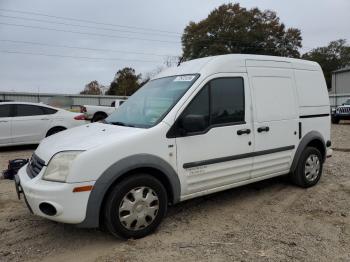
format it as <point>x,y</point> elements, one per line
<point>130,205</point>
<point>312,160</point>
<point>55,130</point>
<point>98,117</point>
<point>335,120</point>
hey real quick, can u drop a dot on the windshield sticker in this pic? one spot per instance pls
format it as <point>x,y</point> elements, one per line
<point>187,78</point>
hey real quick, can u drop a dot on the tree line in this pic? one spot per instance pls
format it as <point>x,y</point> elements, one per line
<point>233,29</point>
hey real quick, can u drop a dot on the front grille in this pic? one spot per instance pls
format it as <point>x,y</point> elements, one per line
<point>344,110</point>
<point>35,165</point>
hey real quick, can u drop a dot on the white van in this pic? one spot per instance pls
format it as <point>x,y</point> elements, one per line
<point>208,125</point>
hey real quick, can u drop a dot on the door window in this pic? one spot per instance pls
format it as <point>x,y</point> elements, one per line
<point>5,110</point>
<point>220,102</point>
<point>29,110</point>
<point>227,101</point>
<point>200,106</point>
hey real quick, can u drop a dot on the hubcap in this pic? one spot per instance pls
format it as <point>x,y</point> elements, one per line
<point>138,208</point>
<point>312,168</point>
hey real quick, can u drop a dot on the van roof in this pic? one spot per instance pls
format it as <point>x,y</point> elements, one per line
<point>236,63</point>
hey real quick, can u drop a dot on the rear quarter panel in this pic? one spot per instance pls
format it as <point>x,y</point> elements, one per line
<point>313,99</point>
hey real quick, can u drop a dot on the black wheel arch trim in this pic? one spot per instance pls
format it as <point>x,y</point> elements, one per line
<point>117,170</point>
<point>307,139</point>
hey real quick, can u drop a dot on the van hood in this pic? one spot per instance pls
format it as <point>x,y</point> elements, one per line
<point>83,138</point>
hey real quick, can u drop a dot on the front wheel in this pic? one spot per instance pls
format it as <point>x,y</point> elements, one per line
<point>135,207</point>
<point>309,169</point>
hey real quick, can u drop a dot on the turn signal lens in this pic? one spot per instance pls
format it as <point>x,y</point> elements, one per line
<point>82,189</point>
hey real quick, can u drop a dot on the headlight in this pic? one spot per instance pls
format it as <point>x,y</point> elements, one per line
<point>59,166</point>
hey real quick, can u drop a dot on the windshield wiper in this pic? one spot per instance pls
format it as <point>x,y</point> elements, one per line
<point>120,124</point>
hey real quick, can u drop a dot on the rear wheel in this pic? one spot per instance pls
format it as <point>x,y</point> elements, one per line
<point>55,130</point>
<point>309,169</point>
<point>98,117</point>
<point>135,206</point>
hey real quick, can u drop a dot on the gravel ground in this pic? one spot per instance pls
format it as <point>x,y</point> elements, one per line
<point>266,221</point>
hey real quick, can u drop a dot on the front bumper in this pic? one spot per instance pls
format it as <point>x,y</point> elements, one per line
<point>344,116</point>
<point>70,207</point>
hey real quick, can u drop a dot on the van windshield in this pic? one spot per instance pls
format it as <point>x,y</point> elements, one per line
<point>150,104</point>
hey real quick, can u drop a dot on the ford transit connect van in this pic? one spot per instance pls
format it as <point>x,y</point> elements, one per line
<point>208,125</point>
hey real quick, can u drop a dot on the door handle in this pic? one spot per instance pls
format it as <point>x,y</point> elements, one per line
<point>243,131</point>
<point>44,119</point>
<point>3,121</point>
<point>263,129</point>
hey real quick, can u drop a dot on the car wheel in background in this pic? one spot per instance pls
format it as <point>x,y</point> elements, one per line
<point>98,117</point>
<point>55,130</point>
<point>135,207</point>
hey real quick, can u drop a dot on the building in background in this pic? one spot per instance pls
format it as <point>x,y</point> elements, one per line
<point>66,101</point>
<point>340,91</point>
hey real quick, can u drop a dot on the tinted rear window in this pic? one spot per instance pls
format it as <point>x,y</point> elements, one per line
<point>5,110</point>
<point>48,111</point>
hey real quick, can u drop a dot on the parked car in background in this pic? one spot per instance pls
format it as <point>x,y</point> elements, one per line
<point>205,126</point>
<point>28,123</point>
<point>341,112</point>
<point>98,113</point>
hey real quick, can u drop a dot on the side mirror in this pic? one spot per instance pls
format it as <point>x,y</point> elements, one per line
<point>194,123</point>
<point>343,104</point>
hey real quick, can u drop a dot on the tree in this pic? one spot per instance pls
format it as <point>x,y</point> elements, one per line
<point>332,57</point>
<point>234,29</point>
<point>125,82</point>
<point>92,88</point>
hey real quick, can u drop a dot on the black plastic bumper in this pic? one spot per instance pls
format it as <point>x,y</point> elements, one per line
<point>341,116</point>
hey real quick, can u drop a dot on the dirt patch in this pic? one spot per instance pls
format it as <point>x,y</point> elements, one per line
<point>266,221</point>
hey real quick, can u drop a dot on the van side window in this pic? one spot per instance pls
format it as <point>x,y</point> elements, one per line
<point>221,102</point>
<point>199,106</point>
<point>227,101</point>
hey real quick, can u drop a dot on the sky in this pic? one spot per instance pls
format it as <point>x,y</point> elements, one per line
<point>138,34</point>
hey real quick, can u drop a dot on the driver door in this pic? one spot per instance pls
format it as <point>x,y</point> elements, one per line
<point>218,156</point>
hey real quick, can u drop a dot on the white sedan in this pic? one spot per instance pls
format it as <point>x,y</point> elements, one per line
<point>29,123</point>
